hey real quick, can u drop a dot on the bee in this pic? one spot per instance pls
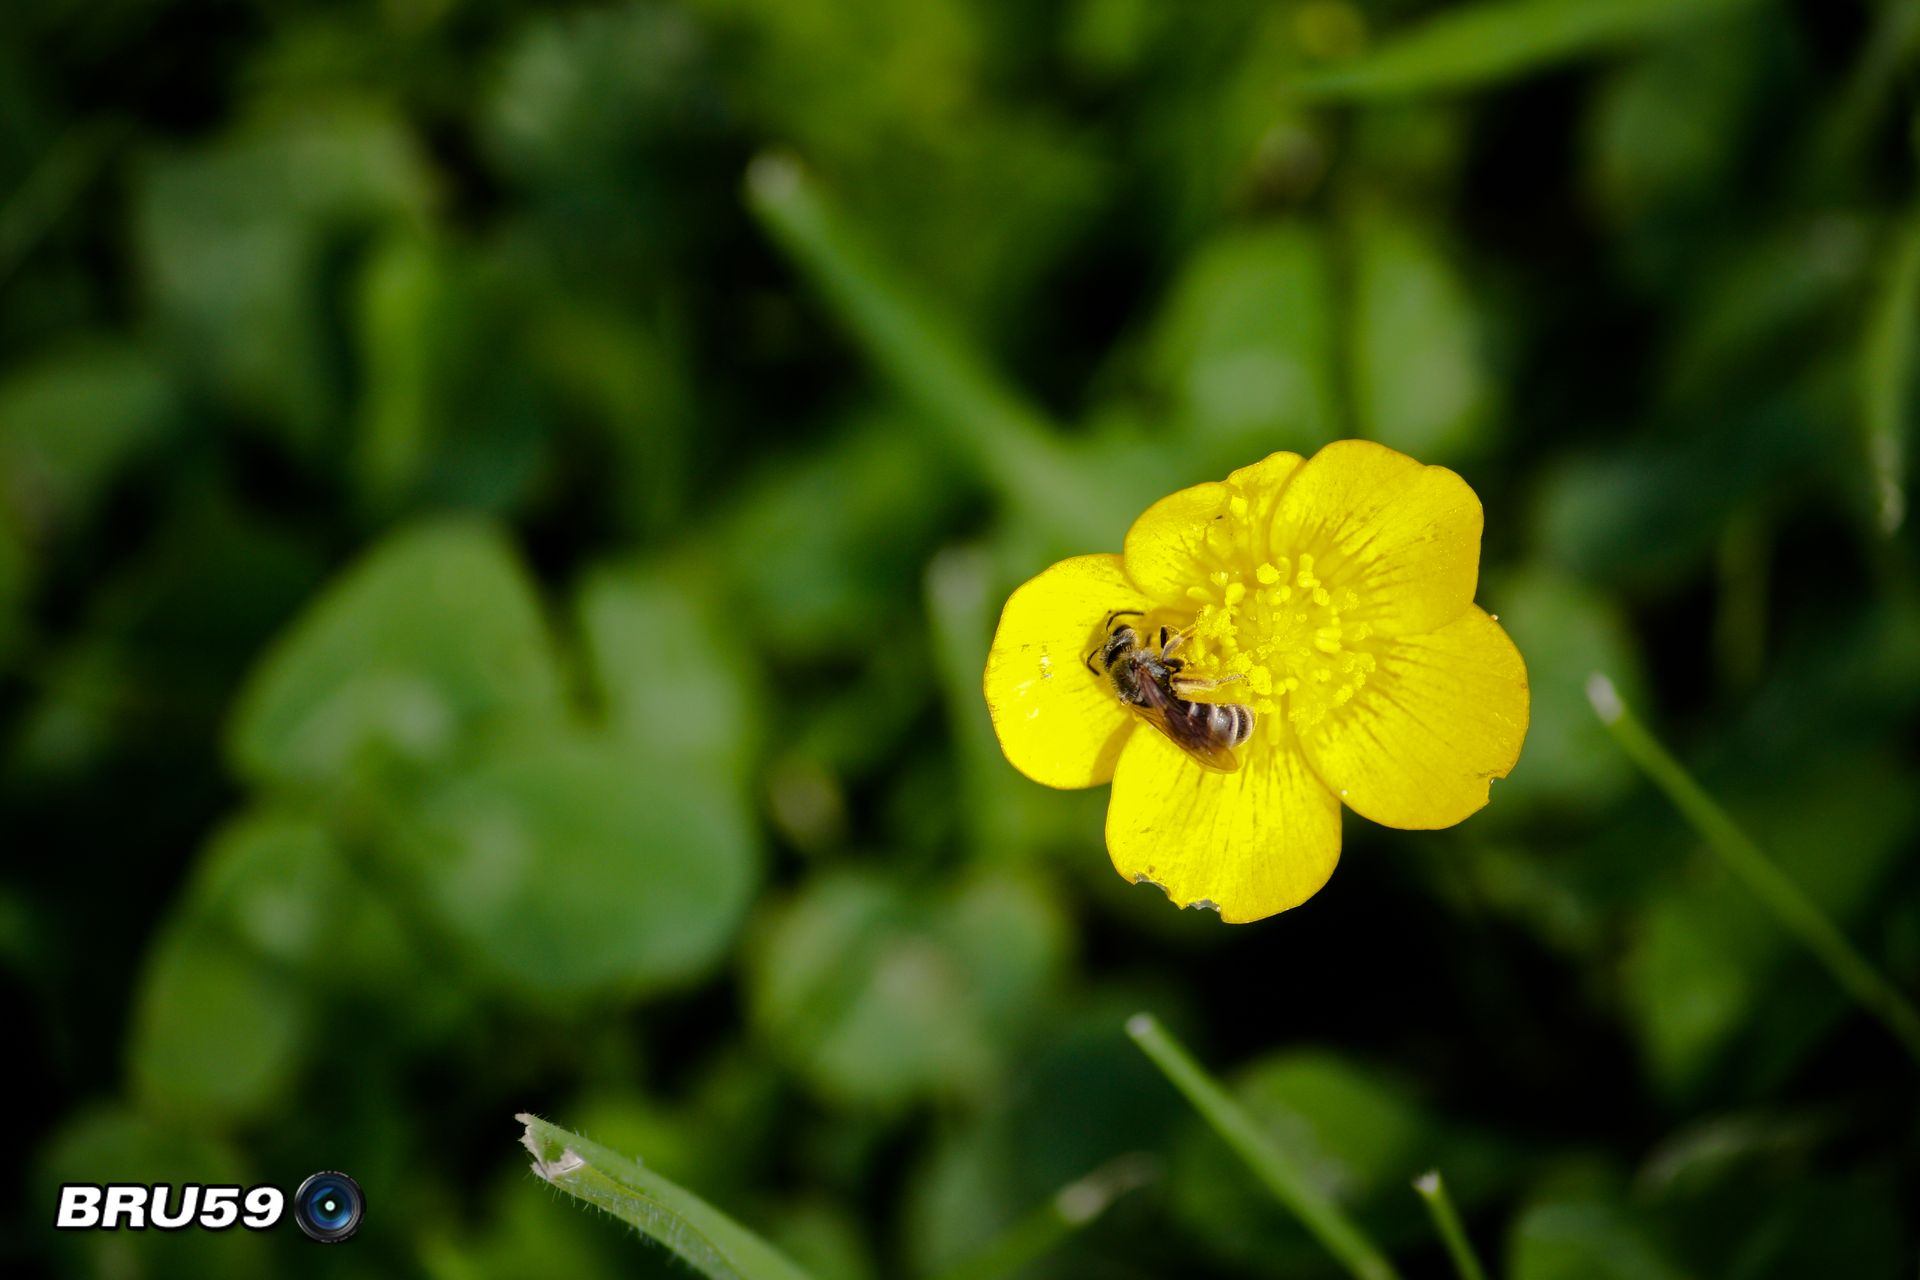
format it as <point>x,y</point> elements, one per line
<point>1147,678</point>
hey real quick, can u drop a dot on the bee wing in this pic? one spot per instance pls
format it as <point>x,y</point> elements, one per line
<point>1187,730</point>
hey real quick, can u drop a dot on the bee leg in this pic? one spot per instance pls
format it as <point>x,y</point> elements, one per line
<point>1194,684</point>
<point>1169,643</point>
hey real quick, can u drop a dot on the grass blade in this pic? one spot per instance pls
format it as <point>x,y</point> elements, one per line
<point>1869,91</point>
<point>702,1236</point>
<point>1498,40</point>
<point>1789,904</point>
<point>1886,373</point>
<point>1344,1240</point>
<point>1446,1220</point>
<point>987,425</point>
<point>36,207</point>
<point>962,608</point>
<point>1071,1209</point>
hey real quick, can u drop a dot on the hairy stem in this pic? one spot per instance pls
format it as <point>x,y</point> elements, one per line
<point>695,1231</point>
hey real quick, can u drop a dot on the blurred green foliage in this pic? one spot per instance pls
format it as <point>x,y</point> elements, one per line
<point>502,507</point>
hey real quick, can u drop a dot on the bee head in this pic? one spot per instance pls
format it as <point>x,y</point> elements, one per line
<point>1120,638</point>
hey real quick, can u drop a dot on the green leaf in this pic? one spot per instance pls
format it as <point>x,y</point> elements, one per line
<point>628,380</point>
<point>1245,348</point>
<point>700,1235</point>
<point>1666,130</point>
<point>430,645</point>
<point>278,884</point>
<point>827,1238</point>
<point>403,309</point>
<point>1477,44</point>
<point>1356,1135</point>
<point>1585,1240</point>
<point>582,866</point>
<point>612,136</point>
<point>71,422</point>
<point>811,587</point>
<point>1004,816</point>
<point>514,1235</point>
<point>997,190</point>
<point>113,1143</point>
<point>1756,315</point>
<point>16,584</point>
<point>271,923</point>
<point>1759,1186</point>
<point>1567,631</point>
<point>578,97</point>
<point>1704,970</point>
<point>667,670</point>
<point>232,238</point>
<point>1639,515</point>
<point>449,413</point>
<point>1061,1216</point>
<point>1081,1097</point>
<point>1420,382</point>
<point>986,426</point>
<point>217,1032</point>
<point>1314,1181</point>
<point>880,998</point>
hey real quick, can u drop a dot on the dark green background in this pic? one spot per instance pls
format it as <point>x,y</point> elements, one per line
<point>489,623</point>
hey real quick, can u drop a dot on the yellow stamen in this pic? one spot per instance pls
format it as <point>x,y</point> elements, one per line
<point>1278,621</point>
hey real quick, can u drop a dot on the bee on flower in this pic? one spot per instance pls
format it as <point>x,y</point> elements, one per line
<point>1265,649</point>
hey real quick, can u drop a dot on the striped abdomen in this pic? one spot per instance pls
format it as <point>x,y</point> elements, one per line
<point>1227,723</point>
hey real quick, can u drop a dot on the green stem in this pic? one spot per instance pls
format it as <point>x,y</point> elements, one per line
<point>37,206</point>
<point>1740,617</point>
<point>1885,373</point>
<point>1474,44</point>
<point>1344,1240</point>
<point>962,609</point>
<point>1789,904</point>
<point>1850,123</point>
<point>986,424</point>
<point>1069,1210</point>
<point>1446,1220</point>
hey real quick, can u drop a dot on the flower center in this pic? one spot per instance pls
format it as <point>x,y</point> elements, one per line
<point>1281,621</point>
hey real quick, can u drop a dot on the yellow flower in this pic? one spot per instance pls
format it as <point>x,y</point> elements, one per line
<point>1334,597</point>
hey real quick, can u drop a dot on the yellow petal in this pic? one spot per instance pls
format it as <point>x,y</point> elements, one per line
<point>1404,537</point>
<point>1057,722</point>
<point>1182,538</point>
<point>1250,843</point>
<point>1441,716</point>
<point>1166,549</point>
<point>1261,484</point>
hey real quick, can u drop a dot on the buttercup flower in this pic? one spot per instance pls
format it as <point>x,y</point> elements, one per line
<point>1333,598</point>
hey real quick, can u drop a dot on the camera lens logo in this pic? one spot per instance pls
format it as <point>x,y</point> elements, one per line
<point>328,1207</point>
